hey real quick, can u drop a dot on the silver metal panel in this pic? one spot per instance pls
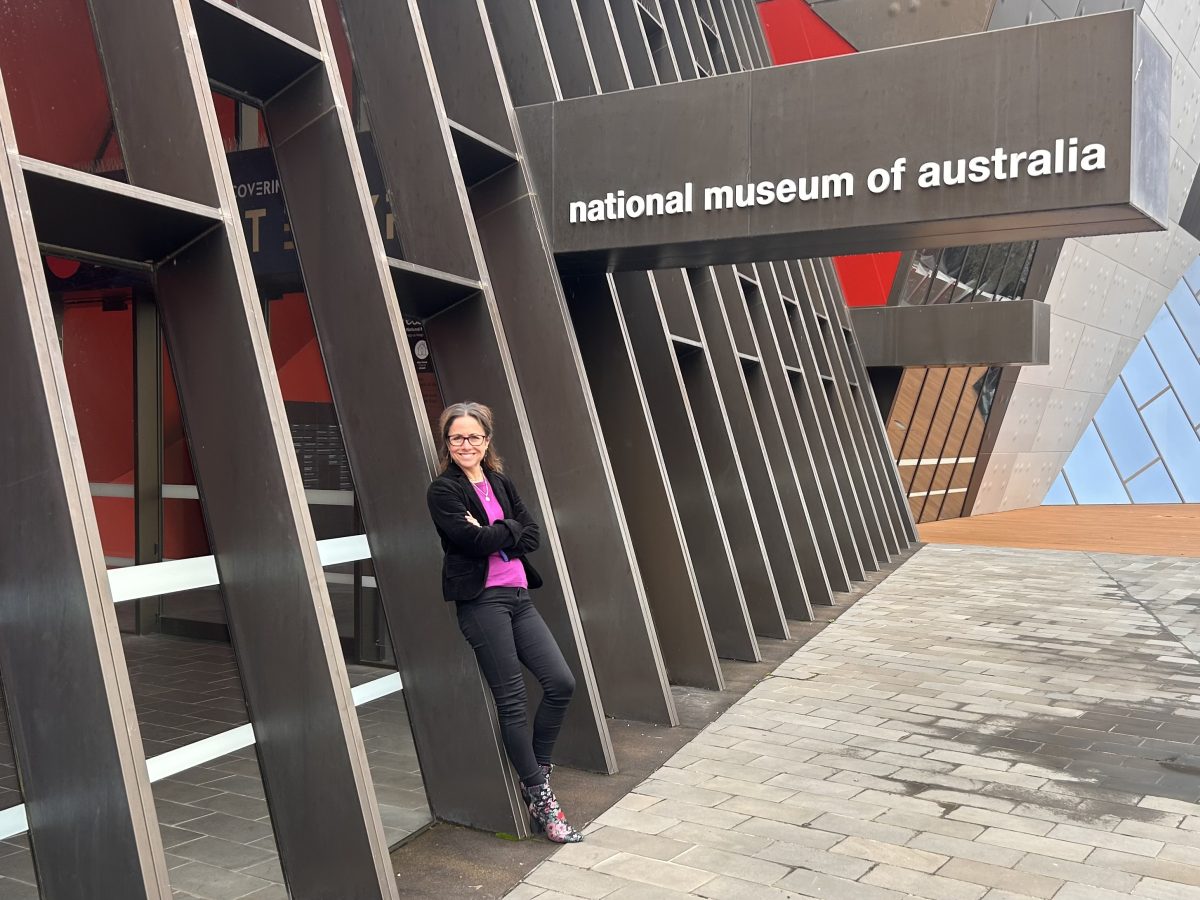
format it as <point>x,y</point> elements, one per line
<point>948,334</point>
<point>872,24</point>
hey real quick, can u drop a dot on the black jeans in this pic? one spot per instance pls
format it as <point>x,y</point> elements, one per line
<point>505,629</point>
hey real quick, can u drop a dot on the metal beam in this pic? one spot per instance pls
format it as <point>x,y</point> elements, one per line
<point>1014,333</point>
<point>327,829</point>
<point>75,736</point>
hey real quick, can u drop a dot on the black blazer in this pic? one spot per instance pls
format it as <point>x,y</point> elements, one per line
<point>464,569</point>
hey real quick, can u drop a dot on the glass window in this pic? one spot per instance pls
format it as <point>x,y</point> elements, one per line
<point>1123,433</point>
<point>1059,494</point>
<point>1177,442</point>
<point>1091,472</point>
<point>1177,362</point>
<point>1153,486</point>
<point>1192,275</point>
<point>1142,375</point>
<point>1186,309</point>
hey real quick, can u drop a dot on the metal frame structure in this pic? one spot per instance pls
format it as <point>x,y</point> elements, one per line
<point>701,445</point>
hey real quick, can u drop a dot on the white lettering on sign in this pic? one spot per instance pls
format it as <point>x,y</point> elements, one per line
<point>1065,158</point>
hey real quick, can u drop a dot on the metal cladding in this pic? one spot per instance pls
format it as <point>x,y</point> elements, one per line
<point>702,445</point>
<point>1015,333</point>
<point>645,179</point>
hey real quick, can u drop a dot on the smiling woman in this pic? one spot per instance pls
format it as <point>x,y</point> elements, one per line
<point>487,535</point>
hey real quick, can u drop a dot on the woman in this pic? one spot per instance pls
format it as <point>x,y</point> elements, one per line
<point>486,535</point>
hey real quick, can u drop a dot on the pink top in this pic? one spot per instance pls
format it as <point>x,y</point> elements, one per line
<point>501,572</point>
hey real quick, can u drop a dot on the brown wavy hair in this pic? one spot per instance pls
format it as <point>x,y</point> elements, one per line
<point>481,414</point>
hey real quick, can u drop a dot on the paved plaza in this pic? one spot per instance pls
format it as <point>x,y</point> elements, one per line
<point>987,723</point>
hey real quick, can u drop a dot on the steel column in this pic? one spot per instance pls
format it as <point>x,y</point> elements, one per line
<point>327,828</point>
<point>75,736</point>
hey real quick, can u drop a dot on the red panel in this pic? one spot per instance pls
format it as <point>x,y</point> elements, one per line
<point>867,279</point>
<point>796,34</point>
<point>297,355</point>
<point>55,85</point>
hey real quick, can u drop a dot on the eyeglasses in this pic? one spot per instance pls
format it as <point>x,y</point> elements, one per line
<point>475,440</point>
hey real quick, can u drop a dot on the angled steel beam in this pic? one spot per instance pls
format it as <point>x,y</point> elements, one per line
<point>794,444</point>
<point>709,288</point>
<point>75,737</point>
<point>816,420</point>
<point>742,292</point>
<point>327,829</point>
<point>845,378</point>
<point>707,537</point>
<point>642,477</point>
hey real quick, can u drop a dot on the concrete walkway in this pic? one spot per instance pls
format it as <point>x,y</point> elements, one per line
<point>986,723</point>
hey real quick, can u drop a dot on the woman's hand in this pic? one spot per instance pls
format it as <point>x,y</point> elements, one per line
<point>470,518</point>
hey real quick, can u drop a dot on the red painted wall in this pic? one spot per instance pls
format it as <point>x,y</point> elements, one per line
<point>797,34</point>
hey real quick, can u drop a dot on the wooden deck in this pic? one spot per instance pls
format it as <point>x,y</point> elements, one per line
<point>1167,530</point>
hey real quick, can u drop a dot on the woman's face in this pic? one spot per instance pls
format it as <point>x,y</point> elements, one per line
<point>467,441</point>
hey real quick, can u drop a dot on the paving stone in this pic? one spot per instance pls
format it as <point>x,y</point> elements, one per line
<point>1108,841</point>
<point>859,828</point>
<point>816,884</point>
<point>735,865</point>
<point>801,857</point>
<point>647,822</point>
<point>985,724</point>
<point>657,846</point>
<point>991,818</point>
<point>717,838</point>
<point>792,834</point>
<point>654,871</point>
<point>667,790</point>
<point>919,884</point>
<point>987,875</point>
<point>919,822</point>
<point>572,880</point>
<point>1165,869</point>
<point>1166,890</point>
<point>1030,843</point>
<point>725,888</point>
<point>1081,873</point>
<point>891,854</point>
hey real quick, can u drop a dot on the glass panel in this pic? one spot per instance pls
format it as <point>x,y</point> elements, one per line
<point>1091,472</point>
<point>1192,275</point>
<point>1177,360</point>
<point>900,416</point>
<point>1153,486</point>
<point>1059,494</point>
<point>1123,433</point>
<point>1142,376</point>
<point>969,273</point>
<point>1177,443</point>
<point>1186,309</point>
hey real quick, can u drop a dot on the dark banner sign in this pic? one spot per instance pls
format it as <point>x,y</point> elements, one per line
<point>908,147</point>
